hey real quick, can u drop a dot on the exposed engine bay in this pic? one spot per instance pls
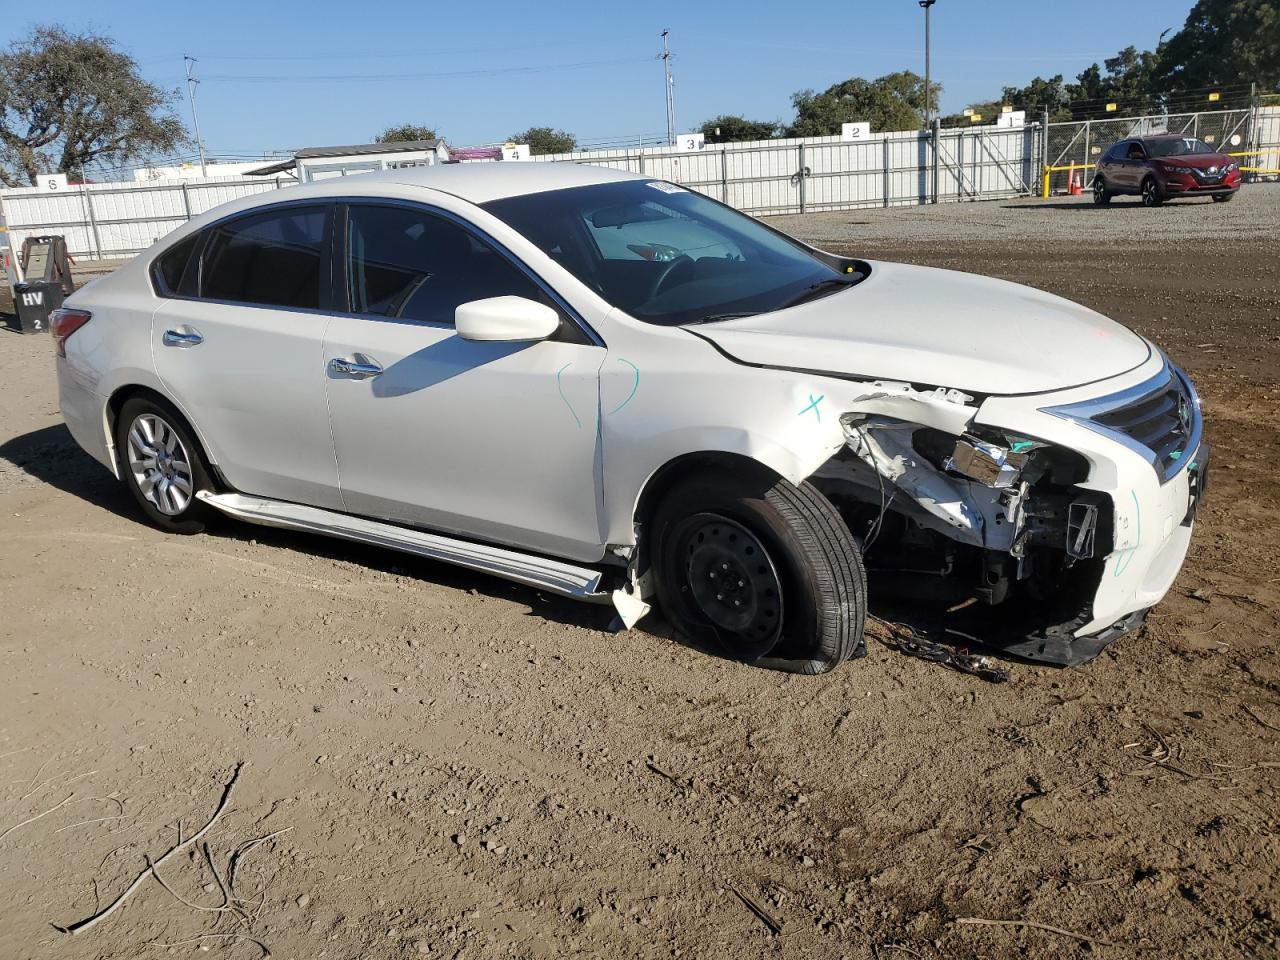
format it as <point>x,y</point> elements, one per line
<point>967,516</point>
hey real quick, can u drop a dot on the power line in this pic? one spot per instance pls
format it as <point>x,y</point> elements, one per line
<point>442,75</point>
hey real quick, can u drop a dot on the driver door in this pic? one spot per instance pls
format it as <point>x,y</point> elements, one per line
<point>1135,166</point>
<point>495,440</point>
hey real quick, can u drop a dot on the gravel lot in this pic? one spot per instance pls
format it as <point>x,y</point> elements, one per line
<point>468,769</point>
<point>1250,218</point>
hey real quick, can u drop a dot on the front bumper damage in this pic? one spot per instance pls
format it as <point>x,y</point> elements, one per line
<point>1050,512</point>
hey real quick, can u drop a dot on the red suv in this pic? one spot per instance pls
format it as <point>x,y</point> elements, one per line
<point>1165,166</point>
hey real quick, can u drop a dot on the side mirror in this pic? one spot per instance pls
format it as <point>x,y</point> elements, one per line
<point>505,318</point>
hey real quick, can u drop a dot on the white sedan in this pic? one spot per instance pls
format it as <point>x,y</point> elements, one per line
<point>617,389</point>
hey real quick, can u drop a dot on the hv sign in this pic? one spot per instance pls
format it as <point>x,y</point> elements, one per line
<point>32,305</point>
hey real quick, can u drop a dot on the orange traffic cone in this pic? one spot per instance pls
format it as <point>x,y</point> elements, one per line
<point>1075,189</point>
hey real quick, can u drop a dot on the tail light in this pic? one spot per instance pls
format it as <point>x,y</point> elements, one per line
<point>65,321</point>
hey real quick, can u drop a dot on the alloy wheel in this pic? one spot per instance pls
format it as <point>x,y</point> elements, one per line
<point>1150,193</point>
<point>160,465</point>
<point>733,582</point>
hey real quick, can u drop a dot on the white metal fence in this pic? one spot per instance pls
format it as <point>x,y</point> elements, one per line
<point>828,173</point>
<point>764,177</point>
<point>771,176</point>
<point>116,219</point>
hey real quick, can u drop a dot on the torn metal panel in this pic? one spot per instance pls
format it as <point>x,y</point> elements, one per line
<point>885,445</point>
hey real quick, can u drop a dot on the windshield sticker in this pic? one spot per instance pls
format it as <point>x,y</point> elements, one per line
<point>666,187</point>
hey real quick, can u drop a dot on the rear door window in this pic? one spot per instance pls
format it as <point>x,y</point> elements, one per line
<point>273,258</point>
<point>413,265</point>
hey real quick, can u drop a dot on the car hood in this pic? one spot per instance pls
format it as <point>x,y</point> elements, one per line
<point>938,327</point>
<point>1198,161</point>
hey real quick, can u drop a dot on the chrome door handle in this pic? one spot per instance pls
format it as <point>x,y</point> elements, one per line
<point>358,368</point>
<point>182,338</point>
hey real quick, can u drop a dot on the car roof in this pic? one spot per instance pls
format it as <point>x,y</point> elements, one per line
<point>494,180</point>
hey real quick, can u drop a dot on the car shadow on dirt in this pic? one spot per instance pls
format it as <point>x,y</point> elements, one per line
<point>50,455</point>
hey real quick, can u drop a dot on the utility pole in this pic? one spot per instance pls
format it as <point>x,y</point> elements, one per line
<point>666,72</point>
<point>195,120</point>
<point>928,88</point>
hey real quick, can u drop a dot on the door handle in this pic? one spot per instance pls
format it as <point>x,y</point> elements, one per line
<point>358,367</point>
<point>182,338</point>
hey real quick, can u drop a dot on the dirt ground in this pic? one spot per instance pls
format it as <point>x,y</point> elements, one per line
<point>449,766</point>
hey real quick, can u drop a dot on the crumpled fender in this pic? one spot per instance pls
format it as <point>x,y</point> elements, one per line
<point>789,421</point>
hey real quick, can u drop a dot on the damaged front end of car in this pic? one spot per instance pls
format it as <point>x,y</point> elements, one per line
<point>971,516</point>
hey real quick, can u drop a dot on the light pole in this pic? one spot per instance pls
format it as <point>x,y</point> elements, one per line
<point>928,91</point>
<point>665,57</point>
<point>195,119</point>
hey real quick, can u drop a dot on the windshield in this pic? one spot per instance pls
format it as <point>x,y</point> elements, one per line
<point>1180,147</point>
<point>668,255</point>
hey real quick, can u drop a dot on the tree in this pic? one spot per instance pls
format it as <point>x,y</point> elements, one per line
<point>1224,41</point>
<point>68,100</point>
<point>545,140</point>
<point>1127,79</point>
<point>730,128</point>
<point>406,133</point>
<point>988,111</point>
<point>1127,82</point>
<point>1041,94</point>
<point>893,102</point>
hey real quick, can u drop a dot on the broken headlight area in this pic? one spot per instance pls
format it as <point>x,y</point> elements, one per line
<point>975,520</point>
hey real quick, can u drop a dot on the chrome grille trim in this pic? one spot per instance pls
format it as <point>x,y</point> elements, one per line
<point>1148,419</point>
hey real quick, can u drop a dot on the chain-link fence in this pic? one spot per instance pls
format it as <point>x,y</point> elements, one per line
<point>1251,134</point>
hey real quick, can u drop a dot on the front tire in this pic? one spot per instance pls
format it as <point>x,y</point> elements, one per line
<point>1223,197</point>
<point>1151,195</point>
<point>1101,195</point>
<point>764,569</point>
<point>162,465</point>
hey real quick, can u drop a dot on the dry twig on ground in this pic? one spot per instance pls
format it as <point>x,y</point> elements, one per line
<point>774,926</point>
<point>89,922</point>
<point>215,936</point>
<point>37,816</point>
<point>1249,710</point>
<point>983,921</point>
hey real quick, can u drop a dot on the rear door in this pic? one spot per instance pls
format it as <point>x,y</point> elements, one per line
<point>239,350</point>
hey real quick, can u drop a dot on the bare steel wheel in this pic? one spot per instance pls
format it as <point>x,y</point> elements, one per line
<point>733,582</point>
<point>764,569</point>
<point>160,464</point>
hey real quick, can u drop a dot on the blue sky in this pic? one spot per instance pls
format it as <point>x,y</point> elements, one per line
<point>588,67</point>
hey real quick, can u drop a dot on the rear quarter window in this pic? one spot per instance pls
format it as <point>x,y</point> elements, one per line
<point>168,268</point>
